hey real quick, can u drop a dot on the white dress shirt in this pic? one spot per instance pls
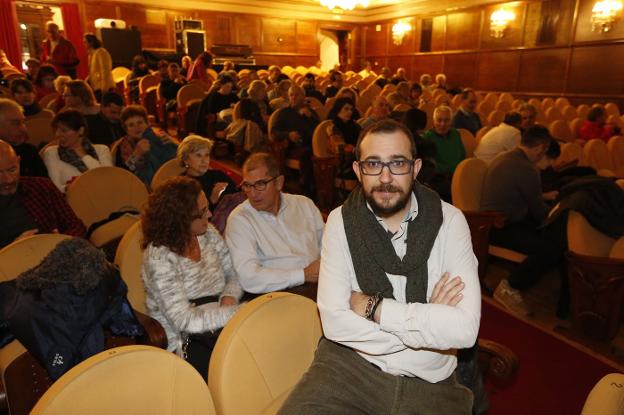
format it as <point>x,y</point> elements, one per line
<point>270,251</point>
<point>411,339</point>
<point>60,172</point>
<point>499,139</point>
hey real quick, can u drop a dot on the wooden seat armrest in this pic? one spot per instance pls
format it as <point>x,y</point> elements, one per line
<point>154,333</point>
<point>497,361</point>
<point>491,217</point>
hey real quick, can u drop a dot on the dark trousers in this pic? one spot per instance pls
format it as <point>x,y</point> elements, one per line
<point>545,248</point>
<point>340,381</point>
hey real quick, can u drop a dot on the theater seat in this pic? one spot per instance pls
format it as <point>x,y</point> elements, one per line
<point>138,380</point>
<point>468,140</point>
<point>128,258</point>
<point>262,353</point>
<point>170,168</point>
<point>606,397</point>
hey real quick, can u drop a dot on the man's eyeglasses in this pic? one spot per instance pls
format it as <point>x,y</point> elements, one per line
<point>260,185</point>
<point>375,167</point>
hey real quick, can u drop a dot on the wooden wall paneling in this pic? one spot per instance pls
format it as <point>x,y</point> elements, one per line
<point>584,31</point>
<point>223,33</point>
<point>307,42</point>
<point>460,69</point>
<point>210,26</point>
<point>513,34</point>
<point>357,47</point>
<point>395,62</point>
<point>597,70</point>
<point>153,35</point>
<point>279,35</point>
<point>376,39</point>
<point>533,23</point>
<point>462,30</point>
<point>247,30</point>
<point>431,64</point>
<point>549,22</point>
<point>498,71</point>
<point>542,70</point>
<point>407,45</point>
<point>93,10</point>
<point>439,33</point>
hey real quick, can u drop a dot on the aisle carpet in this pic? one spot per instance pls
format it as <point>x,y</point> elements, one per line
<point>553,377</point>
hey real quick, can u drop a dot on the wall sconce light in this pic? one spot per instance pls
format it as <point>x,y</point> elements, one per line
<point>399,30</point>
<point>499,21</point>
<point>604,15</point>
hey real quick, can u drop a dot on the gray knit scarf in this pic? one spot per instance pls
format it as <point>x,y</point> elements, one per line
<point>70,156</point>
<point>373,254</point>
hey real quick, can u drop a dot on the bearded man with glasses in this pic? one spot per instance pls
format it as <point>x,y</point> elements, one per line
<point>398,293</point>
<point>274,237</point>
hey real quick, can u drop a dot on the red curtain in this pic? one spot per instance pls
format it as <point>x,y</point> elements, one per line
<point>9,38</point>
<point>74,33</point>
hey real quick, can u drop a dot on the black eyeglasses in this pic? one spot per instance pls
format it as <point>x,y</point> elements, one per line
<point>260,185</point>
<point>375,167</point>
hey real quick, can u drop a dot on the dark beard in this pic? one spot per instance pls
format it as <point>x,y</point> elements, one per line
<point>386,211</point>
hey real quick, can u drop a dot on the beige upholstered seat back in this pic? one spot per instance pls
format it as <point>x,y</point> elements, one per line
<point>596,155</point>
<point>617,250</point>
<point>584,239</point>
<point>468,140</point>
<point>606,397</point>
<point>570,152</point>
<point>169,169</point>
<point>263,352</point>
<point>39,130</point>
<point>97,193</point>
<point>129,257</point>
<point>320,140</point>
<point>138,380</point>
<point>467,184</point>
<point>561,130</point>
<point>616,150</point>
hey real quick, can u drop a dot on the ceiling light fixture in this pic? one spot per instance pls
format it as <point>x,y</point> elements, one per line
<point>343,4</point>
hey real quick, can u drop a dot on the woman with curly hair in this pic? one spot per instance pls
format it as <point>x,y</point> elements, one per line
<point>191,285</point>
<point>343,130</point>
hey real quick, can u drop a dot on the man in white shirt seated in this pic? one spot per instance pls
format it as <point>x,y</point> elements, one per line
<point>274,237</point>
<point>504,137</point>
<point>398,293</point>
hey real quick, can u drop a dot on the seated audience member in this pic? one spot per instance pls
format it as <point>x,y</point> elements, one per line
<point>247,129</point>
<point>398,293</point>
<point>595,126</point>
<point>74,154</point>
<point>257,93</point>
<point>395,99</point>
<point>139,70</point>
<point>274,73</point>
<point>295,124</point>
<point>336,81</point>
<point>105,126</point>
<point>199,68</point>
<point>426,83</point>
<point>142,151</point>
<point>529,116</point>
<point>33,65</point>
<point>343,131</point>
<point>163,69</point>
<point>403,89</point>
<point>44,82</point>
<point>466,117</point>
<point>274,237</point>
<point>30,205</point>
<point>309,86</point>
<point>415,98</point>
<point>384,78</point>
<point>185,65</point>
<point>194,156</point>
<point>170,85</point>
<point>281,89</point>
<point>555,175</point>
<point>13,131</point>
<point>513,186</point>
<point>100,66</point>
<point>24,93</point>
<point>191,286</point>
<point>440,81</point>
<point>380,110</point>
<point>59,85</point>
<point>79,96</point>
<point>449,150</point>
<point>216,101</point>
<point>399,76</point>
<point>504,137</point>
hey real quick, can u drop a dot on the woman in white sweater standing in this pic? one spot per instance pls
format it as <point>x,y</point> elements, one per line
<point>74,153</point>
<point>191,285</point>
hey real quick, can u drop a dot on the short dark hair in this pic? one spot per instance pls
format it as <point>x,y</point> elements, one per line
<point>70,118</point>
<point>133,111</point>
<point>262,159</point>
<point>595,113</point>
<point>309,75</point>
<point>163,64</point>
<point>535,136</point>
<point>21,83</point>
<point>513,118</point>
<point>335,76</point>
<point>282,77</point>
<point>206,58</point>
<point>554,150</point>
<point>225,79</point>
<point>109,98</point>
<point>92,40</point>
<point>386,126</point>
<point>465,93</point>
<point>416,87</point>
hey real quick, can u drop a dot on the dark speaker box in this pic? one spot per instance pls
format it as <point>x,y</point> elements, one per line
<point>122,44</point>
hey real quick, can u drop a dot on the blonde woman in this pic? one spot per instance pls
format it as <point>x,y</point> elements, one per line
<point>78,96</point>
<point>100,66</point>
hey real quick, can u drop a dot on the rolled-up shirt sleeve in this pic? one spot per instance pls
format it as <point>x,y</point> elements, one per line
<point>437,326</point>
<point>340,323</point>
